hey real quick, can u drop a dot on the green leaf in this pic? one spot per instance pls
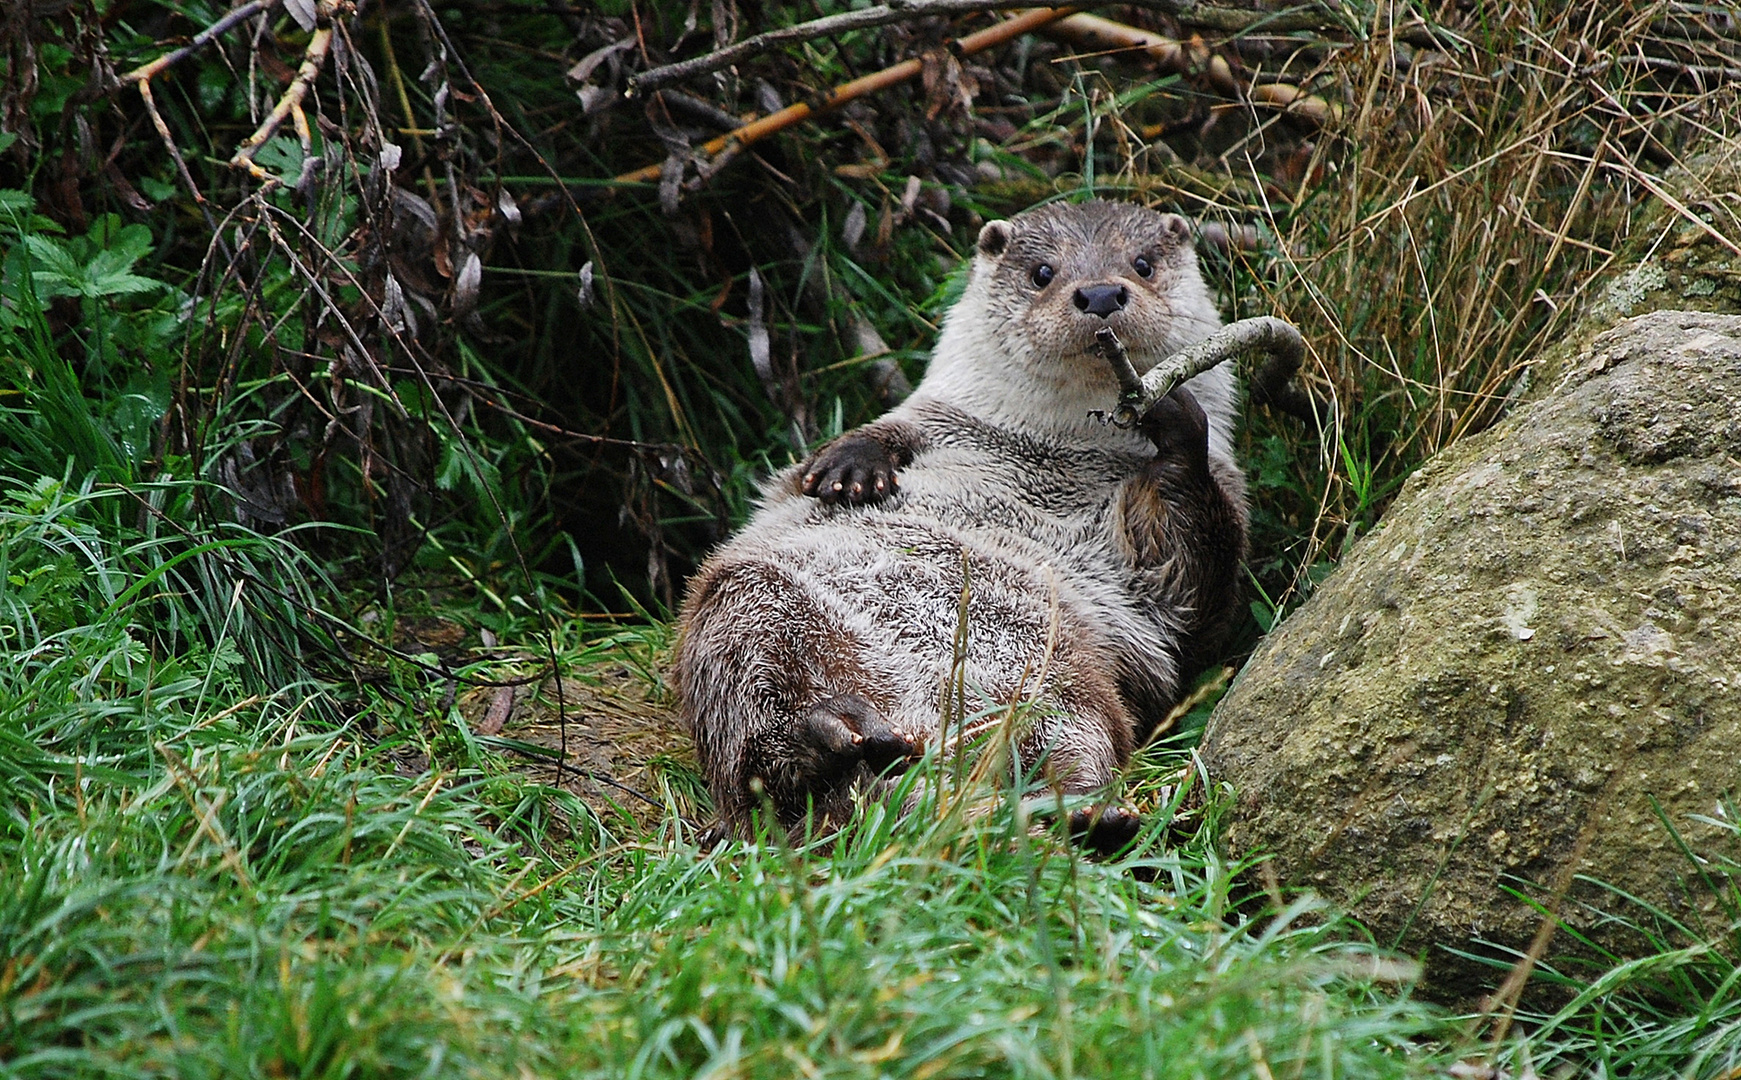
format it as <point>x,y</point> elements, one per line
<point>121,285</point>
<point>281,155</point>
<point>156,190</point>
<point>131,242</point>
<point>60,275</point>
<point>1264,615</point>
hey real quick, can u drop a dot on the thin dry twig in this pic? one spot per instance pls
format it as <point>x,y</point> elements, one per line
<point>174,151</point>
<point>145,72</point>
<point>313,60</point>
<point>883,14</point>
<point>733,141</point>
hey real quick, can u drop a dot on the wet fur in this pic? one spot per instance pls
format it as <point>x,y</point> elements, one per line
<point>816,644</point>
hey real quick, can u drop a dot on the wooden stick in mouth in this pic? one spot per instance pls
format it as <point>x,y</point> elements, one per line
<point>1282,348</point>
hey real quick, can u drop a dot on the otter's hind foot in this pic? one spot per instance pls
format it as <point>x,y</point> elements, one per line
<point>1105,830</point>
<point>846,730</point>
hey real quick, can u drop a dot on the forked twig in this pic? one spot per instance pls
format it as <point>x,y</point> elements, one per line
<point>1281,343</point>
<point>313,59</point>
<point>290,104</point>
<point>144,73</point>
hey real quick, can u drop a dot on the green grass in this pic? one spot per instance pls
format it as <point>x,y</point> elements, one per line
<point>201,883</point>
<point>1674,1009</point>
<point>206,870</point>
<point>204,875</point>
<point>239,839</point>
<point>199,894</point>
<point>191,890</point>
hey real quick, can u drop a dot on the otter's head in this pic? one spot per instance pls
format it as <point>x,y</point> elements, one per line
<point>1054,275</point>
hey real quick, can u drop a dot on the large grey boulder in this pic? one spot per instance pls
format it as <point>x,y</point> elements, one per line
<point>1538,648</point>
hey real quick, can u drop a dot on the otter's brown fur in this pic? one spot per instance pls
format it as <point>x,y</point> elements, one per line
<point>1101,565</point>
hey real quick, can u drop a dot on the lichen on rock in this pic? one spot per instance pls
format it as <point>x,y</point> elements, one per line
<point>1523,673</point>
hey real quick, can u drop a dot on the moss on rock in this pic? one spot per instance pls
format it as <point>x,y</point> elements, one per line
<point>1537,649</point>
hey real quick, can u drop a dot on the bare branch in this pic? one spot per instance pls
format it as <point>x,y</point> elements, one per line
<point>978,41</point>
<point>174,150</point>
<point>892,11</point>
<point>1239,21</point>
<point>1309,18</point>
<point>235,15</point>
<point>1701,73</point>
<point>313,59</point>
<point>1064,22</point>
<point>1282,345</point>
<point>1130,384</point>
<point>1183,57</point>
<point>1228,20</point>
<point>180,162</point>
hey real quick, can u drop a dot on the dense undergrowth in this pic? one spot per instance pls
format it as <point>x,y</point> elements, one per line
<point>431,362</point>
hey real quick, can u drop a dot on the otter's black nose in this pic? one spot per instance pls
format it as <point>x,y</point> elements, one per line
<point>1101,300</point>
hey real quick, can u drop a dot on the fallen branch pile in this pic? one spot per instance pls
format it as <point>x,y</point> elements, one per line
<point>723,148</point>
<point>1169,55</point>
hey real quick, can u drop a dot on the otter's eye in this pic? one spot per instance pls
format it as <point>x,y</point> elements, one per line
<point>1043,275</point>
<point>1143,267</point>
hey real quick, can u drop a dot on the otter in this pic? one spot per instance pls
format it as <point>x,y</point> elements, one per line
<point>1100,565</point>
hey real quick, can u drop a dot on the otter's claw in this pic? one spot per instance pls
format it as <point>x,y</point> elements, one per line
<point>889,749</point>
<point>852,469</point>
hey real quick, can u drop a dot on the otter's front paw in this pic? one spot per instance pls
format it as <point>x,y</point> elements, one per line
<point>851,469</point>
<point>1179,429</point>
<point>845,730</point>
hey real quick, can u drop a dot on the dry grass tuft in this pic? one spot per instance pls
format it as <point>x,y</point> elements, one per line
<point>1458,221</point>
<point>612,724</point>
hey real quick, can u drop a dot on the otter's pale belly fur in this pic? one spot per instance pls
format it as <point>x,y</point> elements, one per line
<point>1072,541</point>
<point>1032,522</point>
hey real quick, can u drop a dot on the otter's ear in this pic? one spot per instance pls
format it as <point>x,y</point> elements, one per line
<point>1177,229</point>
<point>994,238</point>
